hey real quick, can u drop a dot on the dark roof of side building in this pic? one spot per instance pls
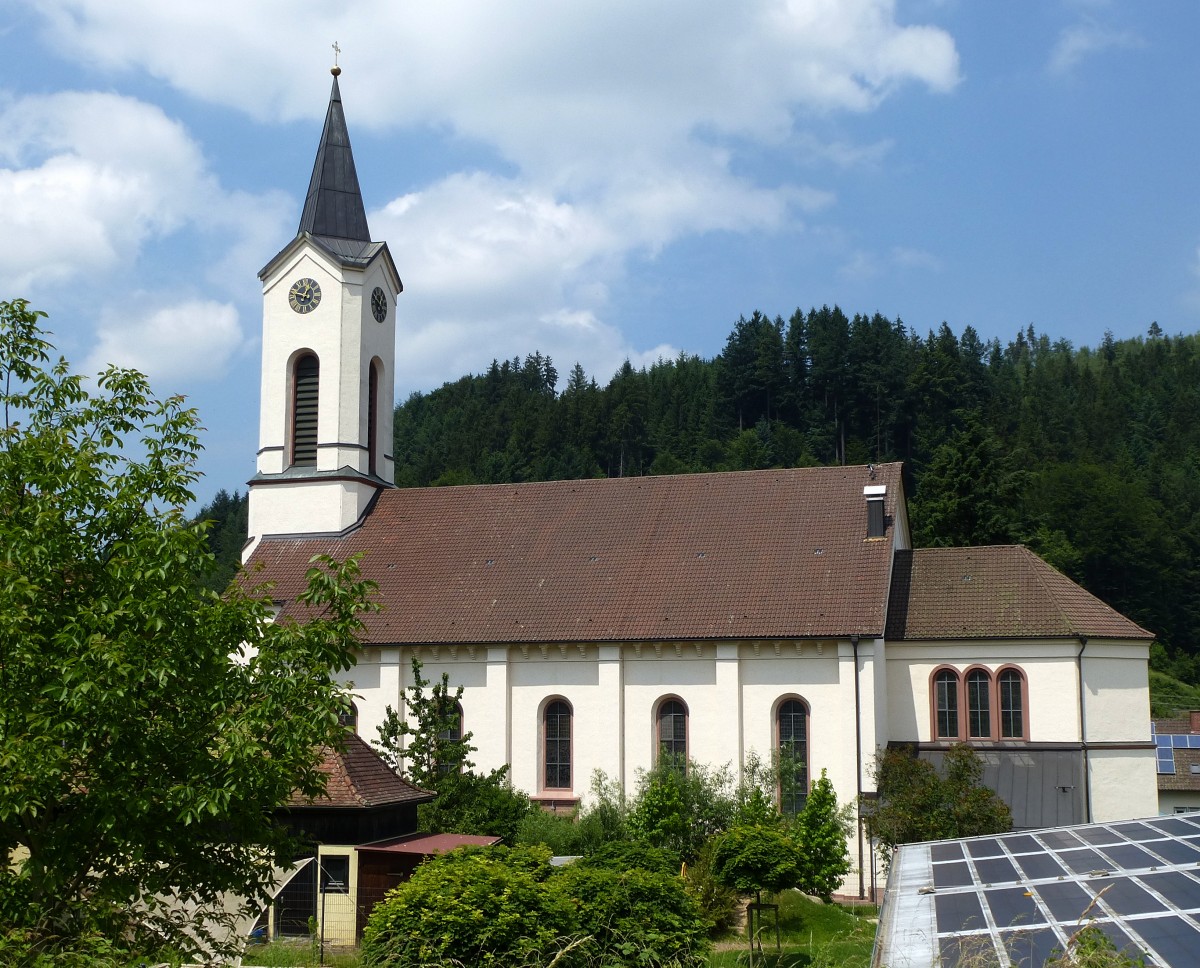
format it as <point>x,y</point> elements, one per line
<point>756,554</point>
<point>999,592</point>
<point>357,777</point>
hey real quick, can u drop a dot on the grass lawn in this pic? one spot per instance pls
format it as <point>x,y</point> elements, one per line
<point>811,934</point>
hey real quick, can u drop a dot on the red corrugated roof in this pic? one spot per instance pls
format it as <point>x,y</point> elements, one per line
<point>429,844</point>
<point>759,554</point>
<point>1001,592</point>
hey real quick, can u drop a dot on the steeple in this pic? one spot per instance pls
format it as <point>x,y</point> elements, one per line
<point>329,358</point>
<point>334,206</point>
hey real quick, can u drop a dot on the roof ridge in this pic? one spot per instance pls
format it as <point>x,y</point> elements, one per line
<point>1031,562</point>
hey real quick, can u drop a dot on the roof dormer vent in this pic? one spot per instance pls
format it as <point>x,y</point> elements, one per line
<point>876,522</point>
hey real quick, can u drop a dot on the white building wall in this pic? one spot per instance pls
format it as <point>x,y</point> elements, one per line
<point>1124,784</point>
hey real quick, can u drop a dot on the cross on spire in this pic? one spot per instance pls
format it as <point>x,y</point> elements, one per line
<point>335,70</point>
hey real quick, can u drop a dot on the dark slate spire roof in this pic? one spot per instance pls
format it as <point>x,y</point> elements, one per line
<point>334,206</point>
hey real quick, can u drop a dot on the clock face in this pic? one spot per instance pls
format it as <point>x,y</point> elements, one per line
<point>304,296</point>
<point>379,304</point>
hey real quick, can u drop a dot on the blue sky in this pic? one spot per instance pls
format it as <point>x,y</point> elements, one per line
<point>597,180</point>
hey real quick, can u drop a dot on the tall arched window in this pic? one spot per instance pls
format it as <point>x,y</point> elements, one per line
<point>453,733</point>
<point>672,730</point>
<point>556,746</point>
<point>979,706</point>
<point>791,726</point>
<point>373,417</point>
<point>305,386</point>
<point>945,704</point>
<point>1011,705</point>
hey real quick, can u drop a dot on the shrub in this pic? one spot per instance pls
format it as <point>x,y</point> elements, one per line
<point>635,917</point>
<point>484,907</point>
<point>821,838</point>
<point>624,855</point>
<point>751,859</point>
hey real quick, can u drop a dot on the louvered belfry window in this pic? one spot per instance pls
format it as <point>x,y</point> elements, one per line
<point>304,411</point>
<point>373,419</point>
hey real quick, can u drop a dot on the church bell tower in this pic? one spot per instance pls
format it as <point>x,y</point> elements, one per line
<point>328,358</point>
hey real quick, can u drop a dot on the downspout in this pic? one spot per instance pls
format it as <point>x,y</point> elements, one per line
<point>862,888</point>
<point>1087,772</point>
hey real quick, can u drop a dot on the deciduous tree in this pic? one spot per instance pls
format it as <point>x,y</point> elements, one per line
<point>148,726</point>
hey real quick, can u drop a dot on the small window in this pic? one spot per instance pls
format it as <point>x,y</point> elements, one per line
<point>791,723</point>
<point>557,746</point>
<point>1012,704</point>
<point>348,717</point>
<point>672,731</point>
<point>876,524</point>
<point>945,687</point>
<point>335,874</point>
<point>979,712</point>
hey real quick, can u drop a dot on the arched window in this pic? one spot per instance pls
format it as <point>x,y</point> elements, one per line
<point>348,717</point>
<point>373,417</point>
<point>672,730</point>
<point>556,746</point>
<point>945,704</point>
<point>453,733</point>
<point>306,375</point>
<point>979,706</point>
<point>1011,705</point>
<point>791,727</point>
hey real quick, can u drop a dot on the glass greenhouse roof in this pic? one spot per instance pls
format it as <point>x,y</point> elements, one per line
<point>1020,896</point>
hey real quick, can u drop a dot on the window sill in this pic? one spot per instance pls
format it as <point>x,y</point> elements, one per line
<point>554,801</point>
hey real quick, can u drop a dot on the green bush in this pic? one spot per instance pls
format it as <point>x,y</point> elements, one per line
<point>484,907</point>
<point>718,904</point>
<point>623,855</point>
<point>635,917</point>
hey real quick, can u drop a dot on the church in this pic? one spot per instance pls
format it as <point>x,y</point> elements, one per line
<point>600,624</point>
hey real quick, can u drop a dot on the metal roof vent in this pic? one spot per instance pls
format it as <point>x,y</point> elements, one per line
<point>876,521</point>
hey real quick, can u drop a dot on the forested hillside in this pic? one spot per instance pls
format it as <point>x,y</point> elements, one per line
<point>1090,456</point>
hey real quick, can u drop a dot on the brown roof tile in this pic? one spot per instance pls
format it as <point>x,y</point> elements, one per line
<point>357,776</point>
<point>1000,592</point>
<point>1183,778</point>
<point>759,554</point>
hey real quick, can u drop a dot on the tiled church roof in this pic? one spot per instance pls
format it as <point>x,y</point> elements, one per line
<point>999,592</point>
<point>356,776</point>
<point>757,554</point>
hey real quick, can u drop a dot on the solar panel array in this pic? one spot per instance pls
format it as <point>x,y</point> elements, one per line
<point>1021,896</point>
<point>1166,744</point>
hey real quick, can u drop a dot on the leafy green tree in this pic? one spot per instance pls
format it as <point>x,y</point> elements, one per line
<point>917,802</point>
<point>820,833</point>
<point>752,858</point>
<point>679,809</point>
<point>149,725</point>
<point>427,743</point>
<point>429,747</point>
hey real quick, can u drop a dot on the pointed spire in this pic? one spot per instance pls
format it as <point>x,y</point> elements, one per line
<point>334,206</point>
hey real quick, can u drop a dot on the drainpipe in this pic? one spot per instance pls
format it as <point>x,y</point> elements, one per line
<point>862,888</point>
<point>1087,773</point>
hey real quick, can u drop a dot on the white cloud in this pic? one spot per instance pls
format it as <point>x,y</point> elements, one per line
<point>909,258</point>
<point>193,340</point>
<point>621,126</point>
<point>1085,39</point>
<point>88,178</point>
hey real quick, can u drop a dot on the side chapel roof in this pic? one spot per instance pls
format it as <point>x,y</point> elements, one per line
<point>755,554</point>
<point>1001,592</point>
<point>357,776</point>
